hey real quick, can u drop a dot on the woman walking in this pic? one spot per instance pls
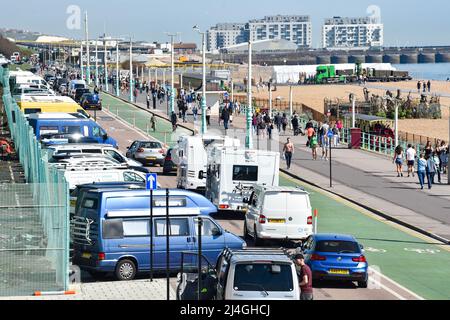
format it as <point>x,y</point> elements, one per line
<point>422,171</point>
<point>398,160</point>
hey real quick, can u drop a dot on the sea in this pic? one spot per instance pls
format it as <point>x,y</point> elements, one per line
<point>426,71</point>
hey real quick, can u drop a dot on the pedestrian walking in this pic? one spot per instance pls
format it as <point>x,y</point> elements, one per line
<point>148,100</point>
<point>398,160</point>
<point>429,86</point>
<point>174,120</point>
<point>419,85</point>
<point>208,116</point>
<point>305,276</point>
<point>310,131</point>
<point>335,136</point>
<point>288,151</point>
<point>270,129</point>
<point>277,121</point>
<point>428,149</point>
<point>431,169</point>
<point>411,159</point>
<point>442,153</point>
<point>422,171</point>
<point>284,122</point>
<point>195,112</point>
<point>437,164</point>
<point>225,118</point>
<point>153,123</point>
<point>314,143</point>
<point>325,146</point>
<point>295,125</point>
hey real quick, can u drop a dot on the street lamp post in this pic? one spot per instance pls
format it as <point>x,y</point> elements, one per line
<point>396,124</point>
<point>117,69</point>
<point>249,140</point>
<point>88,63</point>
<point>204,126</point>
<point>96,62</point>
<point>353,111</point>
<point>106,65</point>
<point>172,49</point>
<point>81,60</point>
<point>131,71</point>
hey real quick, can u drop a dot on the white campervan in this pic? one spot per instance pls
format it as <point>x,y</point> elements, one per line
<point>278,213</point>
<point>191,157</point>
<point>232,174</point>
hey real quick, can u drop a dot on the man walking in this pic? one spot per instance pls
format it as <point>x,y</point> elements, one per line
<point>288,151</point>
<point>411,159</point>
<point>305,276</point>
<point>148,100</point>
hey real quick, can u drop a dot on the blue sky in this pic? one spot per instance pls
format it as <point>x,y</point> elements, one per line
<point>407,22</point>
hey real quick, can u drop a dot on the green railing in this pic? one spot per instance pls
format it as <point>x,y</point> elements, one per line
<point>381,145</point>
<point>38,209</point>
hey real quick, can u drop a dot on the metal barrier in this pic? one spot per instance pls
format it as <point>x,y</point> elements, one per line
<point>378,144</point>
<point>34,217</point>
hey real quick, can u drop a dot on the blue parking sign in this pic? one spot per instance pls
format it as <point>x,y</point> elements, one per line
<point>152,181</point>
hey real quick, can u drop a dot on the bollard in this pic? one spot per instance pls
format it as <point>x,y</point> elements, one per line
<point>316,216</point>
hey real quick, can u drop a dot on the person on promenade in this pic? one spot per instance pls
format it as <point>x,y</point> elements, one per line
<point>428,149</point>
<point>429,86</point>
<point>277,121</point>
<point>411,159</point>
<point>225,117</point>
<point>442,152</point>
<point>437,165</point>
<point>208,116</point>
<point>310,131</point>
<point>314,143</point>
<point>284,122</point>
<point>431,168</point>
<point>270,129</point>
<point>419,85</point>
<point>295,125</point>
<point>195,112</point>
<point>153,123</point>
<point>305,276</point>
<point>398,160</point>
<point>288,151</point>
<point>422,171</point>
<point>148,100</point>
<point>173,120</point>
<point>325,146</point>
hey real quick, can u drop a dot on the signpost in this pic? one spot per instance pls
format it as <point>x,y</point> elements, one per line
<point>167,245</point>
<point>200,224</point>
<point>151,184</point>
<point>330,136</point>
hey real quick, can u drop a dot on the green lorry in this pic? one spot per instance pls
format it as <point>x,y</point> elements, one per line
<point>327,74</point>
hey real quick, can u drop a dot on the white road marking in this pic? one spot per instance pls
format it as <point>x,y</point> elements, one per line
<point>396,284</point>
<point>422,251</point>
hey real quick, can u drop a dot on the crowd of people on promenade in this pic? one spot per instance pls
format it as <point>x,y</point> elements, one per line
<point>431,162</point>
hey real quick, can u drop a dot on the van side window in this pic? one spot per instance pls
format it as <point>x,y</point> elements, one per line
<point>136,228</point>
<point>96,131</point>
<point>90,203</point>
<point>71,129</point>
<point>114,155</point>
<point>32,110</point>
<point>112,229</point>
<point>132,177</point>
<point>207,227</point>
<point>179,227</point>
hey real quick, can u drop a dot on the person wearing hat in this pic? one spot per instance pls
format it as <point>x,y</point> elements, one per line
<point>305,278</point>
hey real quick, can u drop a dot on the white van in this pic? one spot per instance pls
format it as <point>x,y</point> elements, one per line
<point>232,174</point>
<point>191,157</point>
<point>278,213</point>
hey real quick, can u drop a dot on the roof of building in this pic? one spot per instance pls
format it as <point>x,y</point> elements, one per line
<point>264,45</point>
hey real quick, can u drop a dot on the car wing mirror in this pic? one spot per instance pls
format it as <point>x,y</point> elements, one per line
<point>246,200</point>
<point>201,175</point>
<point>216,232</point>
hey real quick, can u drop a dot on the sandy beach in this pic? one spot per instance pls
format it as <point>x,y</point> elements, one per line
<point>314,95</point>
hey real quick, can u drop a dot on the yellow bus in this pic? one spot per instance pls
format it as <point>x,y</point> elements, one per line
<point>50,104</point>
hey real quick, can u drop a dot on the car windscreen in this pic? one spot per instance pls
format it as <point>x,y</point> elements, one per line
<point>261,277</point>
<point>245,173</point>
<point>151,145</point>
<point>337,246</point>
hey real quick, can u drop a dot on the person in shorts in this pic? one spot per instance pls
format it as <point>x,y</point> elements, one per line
<point>411,159</point>
<point>398,160</point>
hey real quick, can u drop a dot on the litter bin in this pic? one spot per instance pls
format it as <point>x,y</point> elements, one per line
<point>355,138</point>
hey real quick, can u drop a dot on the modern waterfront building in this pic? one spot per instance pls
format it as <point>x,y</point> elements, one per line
<point>352,33</point>
<point>293,28</point>
<point>225,35</point>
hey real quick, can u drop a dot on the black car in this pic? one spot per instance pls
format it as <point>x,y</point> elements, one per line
<point>79,93</point>
<point>169,166</point>
<point>91,101</point>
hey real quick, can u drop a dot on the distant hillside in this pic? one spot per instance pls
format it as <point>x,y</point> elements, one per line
<point>7,48</point>
<point>19,35</point>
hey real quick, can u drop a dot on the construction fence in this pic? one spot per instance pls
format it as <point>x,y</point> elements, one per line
<point>34,217</point>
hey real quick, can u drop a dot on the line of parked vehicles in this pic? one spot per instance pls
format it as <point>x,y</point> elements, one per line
<point>109,206</point>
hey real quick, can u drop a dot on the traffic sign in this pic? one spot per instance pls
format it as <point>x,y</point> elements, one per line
<point>152,181</point>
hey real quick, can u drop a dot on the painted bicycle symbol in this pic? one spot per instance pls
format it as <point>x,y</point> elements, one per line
<point>423,251</point>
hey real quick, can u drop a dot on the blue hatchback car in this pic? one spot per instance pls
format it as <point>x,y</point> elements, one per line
<point>336,257</point>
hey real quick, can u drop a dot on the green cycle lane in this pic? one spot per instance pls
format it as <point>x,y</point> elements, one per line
<point>141,120</point>
<point>418,265</point>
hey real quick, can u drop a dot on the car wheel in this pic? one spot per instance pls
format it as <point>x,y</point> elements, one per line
<point>363,284</point>
<point>256,240</point>
<point>246,235</point>
<point>125,270</point>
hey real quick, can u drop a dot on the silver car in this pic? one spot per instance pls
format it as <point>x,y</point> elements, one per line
<point>147,152</point>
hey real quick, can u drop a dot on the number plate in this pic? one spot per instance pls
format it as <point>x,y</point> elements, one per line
<point>277,221</point>
<point>151,158</point>
<point>86,255</point>
<point>339,271</point>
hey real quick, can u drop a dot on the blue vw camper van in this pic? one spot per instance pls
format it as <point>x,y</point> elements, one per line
<point>111,230</point>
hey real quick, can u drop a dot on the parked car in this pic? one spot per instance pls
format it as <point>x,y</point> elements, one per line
<point>336,257</point>
<point>252,274</point>
<point>278,213</point>
<point>91,101</point>
<point>169,165</point>
<point>79,93</point>
<point>111,230</point>
<point>147,152</point>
